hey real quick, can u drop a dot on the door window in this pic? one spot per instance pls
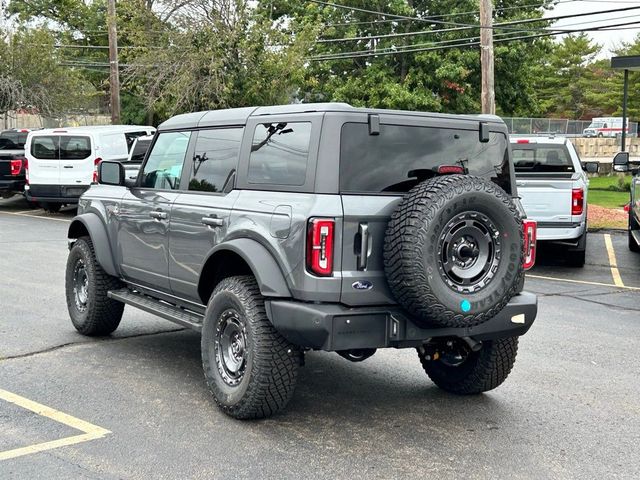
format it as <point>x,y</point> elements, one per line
<point>279,153</point>
<point>164,166</point>
<point>215,159</point>
<point>45,147</point>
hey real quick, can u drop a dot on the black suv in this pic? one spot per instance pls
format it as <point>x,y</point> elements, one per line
<point>275,230</point>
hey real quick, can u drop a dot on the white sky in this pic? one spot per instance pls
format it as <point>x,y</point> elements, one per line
<point>610,39</point>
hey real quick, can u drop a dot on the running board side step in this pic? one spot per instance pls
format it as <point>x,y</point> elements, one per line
<point>157,307</point>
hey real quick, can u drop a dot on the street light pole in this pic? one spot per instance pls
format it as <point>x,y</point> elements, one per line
<point>486,57</point>
<point>114,77</point>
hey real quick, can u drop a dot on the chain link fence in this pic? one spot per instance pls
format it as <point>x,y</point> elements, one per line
<point>542,126</point>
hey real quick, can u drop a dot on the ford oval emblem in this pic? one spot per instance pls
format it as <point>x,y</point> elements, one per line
<point>362,285</point>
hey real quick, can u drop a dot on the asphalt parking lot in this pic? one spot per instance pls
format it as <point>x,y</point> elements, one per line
<point>135,405</point>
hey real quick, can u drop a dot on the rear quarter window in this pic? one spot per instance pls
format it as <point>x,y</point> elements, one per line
<point>279,153</point>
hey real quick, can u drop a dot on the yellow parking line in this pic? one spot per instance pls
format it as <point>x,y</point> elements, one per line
<point>612,261</point>
<point>582,282</point>
<point>36,216</point>
<point>89,431</point>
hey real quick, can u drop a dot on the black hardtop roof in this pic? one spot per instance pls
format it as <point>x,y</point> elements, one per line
<point>239,116</point>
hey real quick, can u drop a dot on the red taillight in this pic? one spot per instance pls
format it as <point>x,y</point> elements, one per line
<point>530,228</point>
<point>16,166</point>
<point>96,162</point>
<point>320,234</point>
<point>577,201</point>
<point>627,207</point>
<point>522,140</point>
<point>450,169</point>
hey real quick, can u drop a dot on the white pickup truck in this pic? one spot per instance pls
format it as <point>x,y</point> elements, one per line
<point>553,185</point>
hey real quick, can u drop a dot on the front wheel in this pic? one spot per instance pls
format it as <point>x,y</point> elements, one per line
<point>92,312</point>
<point>250,368</point>
<point>453,366</point>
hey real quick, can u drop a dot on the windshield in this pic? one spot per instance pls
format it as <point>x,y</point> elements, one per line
<point>12,140</point>
<point>541,158</point>
<point>401,156</point>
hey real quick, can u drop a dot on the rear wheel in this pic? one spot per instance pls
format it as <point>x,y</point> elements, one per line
<point>249,367</point>
<point>577,257</point>
<point>454,367</point>
<point>92,312</point>
<point>51,207</point>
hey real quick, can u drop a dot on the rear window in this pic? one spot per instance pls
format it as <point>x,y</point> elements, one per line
<point>401,156</point>
<point>131,137</point>
<point>75,147</point>
<point>279,153</point>
<point>45,147</point>
<point>541,158</point>
<point>12,140</point>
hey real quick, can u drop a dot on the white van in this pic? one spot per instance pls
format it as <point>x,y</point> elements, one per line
<point>62,162</point>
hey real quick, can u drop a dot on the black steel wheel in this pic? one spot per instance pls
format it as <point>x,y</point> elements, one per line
<point>92,312</point>
<point>249,367</point>
<point>453,251</point>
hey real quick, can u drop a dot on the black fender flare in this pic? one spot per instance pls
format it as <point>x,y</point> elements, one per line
<point>266,270</point>
<point>93,225</point>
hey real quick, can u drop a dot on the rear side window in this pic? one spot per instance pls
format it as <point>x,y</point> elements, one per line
<point>279,153</point>
<point>401,156</point>
<point>164,166</point>
<point>75,147</point>
<point>45,147</point>
<point>215,159</point>
<point>541,158</point>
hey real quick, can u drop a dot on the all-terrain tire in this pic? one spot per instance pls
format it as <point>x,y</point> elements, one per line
<point>415,245</point>
<point>99,315</point>
<point>480,372</point>
<point>267,376</point>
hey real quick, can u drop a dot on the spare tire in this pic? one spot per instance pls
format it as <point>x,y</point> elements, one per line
<point>453,251</point>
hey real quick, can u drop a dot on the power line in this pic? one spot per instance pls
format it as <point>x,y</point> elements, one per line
<point>502,34</point>
<point>449,15</point>
<point>411,49</point>
<point>502,25</point>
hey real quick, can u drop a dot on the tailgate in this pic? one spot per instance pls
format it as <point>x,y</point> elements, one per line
<point>546,200</point>
<point>5,161</point>
<point>365,221</point>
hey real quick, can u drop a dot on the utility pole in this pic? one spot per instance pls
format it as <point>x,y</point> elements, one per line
<point>486,57</point>
<point>114,77</point>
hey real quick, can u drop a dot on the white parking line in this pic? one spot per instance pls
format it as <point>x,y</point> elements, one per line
<point>582,282</point>
<point>20,214</point>
<point>615,273</point>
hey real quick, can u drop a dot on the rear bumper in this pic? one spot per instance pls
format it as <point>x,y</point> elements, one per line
<point>13,185</point>
<point>560,232</point>
<point>333,327</point>
<point>55,193</point>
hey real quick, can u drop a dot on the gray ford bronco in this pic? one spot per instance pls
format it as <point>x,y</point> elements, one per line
<point>277,230</point>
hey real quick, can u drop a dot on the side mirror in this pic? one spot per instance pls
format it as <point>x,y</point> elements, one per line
<point>591,167</point>
<point>621,162</point>
<point>110,173</point>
